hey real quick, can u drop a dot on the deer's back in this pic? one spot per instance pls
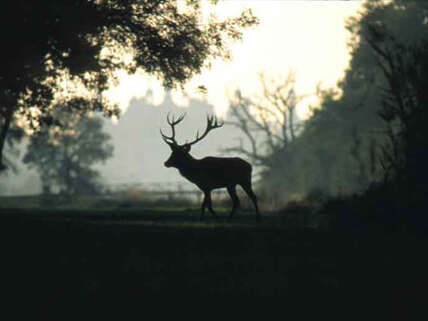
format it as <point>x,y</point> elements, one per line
<point>229,164</point>
<point>216,172</point>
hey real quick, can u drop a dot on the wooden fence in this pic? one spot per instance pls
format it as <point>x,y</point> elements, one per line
<point>166,190</point>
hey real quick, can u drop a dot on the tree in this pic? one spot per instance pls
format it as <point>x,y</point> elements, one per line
<point>85,42</point>
<point>344,138</point>
<point>11,151</point>
<point>270,125</point>
<point>389,57</point>
<point>64,153</point>
<point>404,106</point>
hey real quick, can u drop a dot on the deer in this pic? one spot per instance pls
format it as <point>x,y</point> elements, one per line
<point>210,173</point>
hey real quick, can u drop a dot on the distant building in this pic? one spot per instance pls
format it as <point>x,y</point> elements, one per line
<point>139,151</point>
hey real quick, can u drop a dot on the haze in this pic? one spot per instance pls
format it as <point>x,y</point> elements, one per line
<point>308,37</point>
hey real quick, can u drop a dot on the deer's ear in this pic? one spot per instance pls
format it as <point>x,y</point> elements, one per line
<point>186,148</point>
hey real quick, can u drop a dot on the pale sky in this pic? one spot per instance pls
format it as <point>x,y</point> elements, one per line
<point>308,37</point>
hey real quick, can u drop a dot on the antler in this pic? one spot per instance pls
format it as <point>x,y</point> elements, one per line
<point>212,123</point>
<point>170,140</point>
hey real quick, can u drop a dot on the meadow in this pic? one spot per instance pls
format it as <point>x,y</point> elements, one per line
<point>56,257</point>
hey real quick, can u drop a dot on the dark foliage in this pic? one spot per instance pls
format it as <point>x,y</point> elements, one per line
<point>62,265</point>
<point>11,152</point>
<point>393,40</point>
<point>85,42</point>
<point>343,142</point>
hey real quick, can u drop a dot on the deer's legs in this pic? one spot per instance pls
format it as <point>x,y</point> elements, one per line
<point>235,199</point>
<point>207,203</point>
<point>210,205</point>
<point>247,188</point>
<point>204,205</point>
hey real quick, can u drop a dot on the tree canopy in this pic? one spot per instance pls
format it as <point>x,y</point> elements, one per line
<point>340,149</point>
<point>347,131</point>
<point>46,43</point>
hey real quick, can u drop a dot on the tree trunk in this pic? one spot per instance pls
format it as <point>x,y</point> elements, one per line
<point>3,135</point>
<point>291,123</point>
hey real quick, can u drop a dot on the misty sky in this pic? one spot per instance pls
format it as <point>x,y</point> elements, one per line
<point>308,37</point>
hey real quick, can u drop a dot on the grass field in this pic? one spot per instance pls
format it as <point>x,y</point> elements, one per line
<point>54,257</point>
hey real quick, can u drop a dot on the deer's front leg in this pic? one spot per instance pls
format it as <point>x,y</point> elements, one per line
<point>235,199</point>
<point>204,205</point>
<point>210,205</point>
<point>207,203</point>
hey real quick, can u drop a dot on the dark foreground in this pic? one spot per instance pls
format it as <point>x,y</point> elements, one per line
<point>63,263</point>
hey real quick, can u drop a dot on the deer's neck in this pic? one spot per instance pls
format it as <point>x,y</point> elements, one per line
<point>189,166</point>
<point>190,162</point>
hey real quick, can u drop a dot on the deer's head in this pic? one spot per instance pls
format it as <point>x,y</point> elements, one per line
<point>180,153</point>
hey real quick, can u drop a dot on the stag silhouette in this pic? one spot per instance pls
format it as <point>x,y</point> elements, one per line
<point>210,172</point>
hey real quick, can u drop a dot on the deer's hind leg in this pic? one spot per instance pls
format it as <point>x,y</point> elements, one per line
<point>249,190</point>
<point>235,199</point>
<point>204,205</point>
<point>207,203</point>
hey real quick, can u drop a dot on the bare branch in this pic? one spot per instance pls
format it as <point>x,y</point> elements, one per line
<point>272,115</point>
<point>243,125</point>
<point>257,159</point>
